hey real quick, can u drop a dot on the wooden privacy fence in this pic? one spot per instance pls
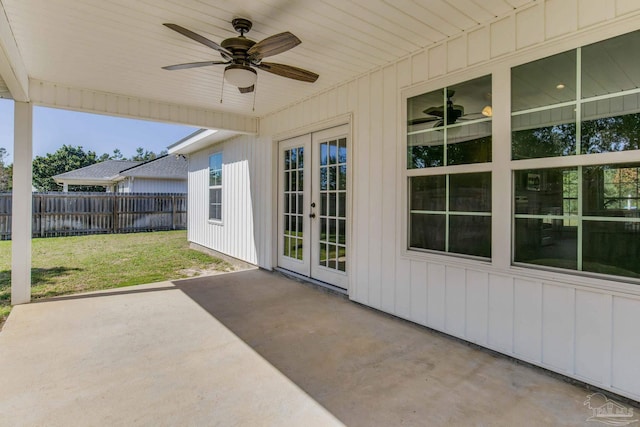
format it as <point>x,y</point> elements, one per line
<point>73,214</point>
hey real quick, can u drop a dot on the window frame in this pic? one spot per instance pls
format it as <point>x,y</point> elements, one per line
<point>411,84</point>
<point>215,187</point>
<point>578,160</point>
<point>405,173</point>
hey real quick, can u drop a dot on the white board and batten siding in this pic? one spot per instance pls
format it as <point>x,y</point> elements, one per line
<point>583,328</point>
<point>148,185</point>
<point>244,231</point>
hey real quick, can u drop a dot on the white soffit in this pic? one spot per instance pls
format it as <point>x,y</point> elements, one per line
<point>200,139</point>
<point>119,46</point>
<point>4,90</point>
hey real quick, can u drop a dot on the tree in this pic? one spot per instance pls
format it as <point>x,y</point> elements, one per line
<point>117,155</point>
<point>143,155</point>
<point>6,172</point>
<point>65,159</point>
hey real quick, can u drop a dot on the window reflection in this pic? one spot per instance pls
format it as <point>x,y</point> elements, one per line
<point>610,66</point>
<point>553,214</point>
<point>450,126</point>
<point>547,81</point>
<point>547,133</point>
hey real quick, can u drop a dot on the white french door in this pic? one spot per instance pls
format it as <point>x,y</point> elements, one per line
<point>313,203</point>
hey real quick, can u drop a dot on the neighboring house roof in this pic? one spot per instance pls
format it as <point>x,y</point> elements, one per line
<point>111,171</point>
<point>165,167</point>
<point>97,174</point>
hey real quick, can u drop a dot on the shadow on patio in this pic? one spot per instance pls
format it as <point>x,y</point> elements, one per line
<point>255,348</point>
<point>369,369</point>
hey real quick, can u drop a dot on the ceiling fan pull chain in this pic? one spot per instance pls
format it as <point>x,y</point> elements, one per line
<point>255,89</point>
<point>222,89</point>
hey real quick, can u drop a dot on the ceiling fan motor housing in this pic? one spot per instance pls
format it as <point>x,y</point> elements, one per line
<point>238,46</point>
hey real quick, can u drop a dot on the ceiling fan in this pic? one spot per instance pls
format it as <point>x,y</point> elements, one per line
<point>454,113</point>
<point>241,55</point>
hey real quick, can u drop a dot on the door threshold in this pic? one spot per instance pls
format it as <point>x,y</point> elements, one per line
<point>312,281</point>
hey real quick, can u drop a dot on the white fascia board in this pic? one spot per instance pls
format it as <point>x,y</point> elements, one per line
<point>77,181</point>
<point>193,142</point>
<point>59,95</point>
<point>12,68</point>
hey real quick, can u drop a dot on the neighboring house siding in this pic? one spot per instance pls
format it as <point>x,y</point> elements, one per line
<point>244,231</point>
<point>144,185</point>
<point>124,186</point>
<point>580,327</point>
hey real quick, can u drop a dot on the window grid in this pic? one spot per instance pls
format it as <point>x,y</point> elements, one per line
<point>451,147</point>
<point>333,209</point>
<point>450,216</point>
<point>215,187</point>
<point>294,203</point>
<point>605,226</point>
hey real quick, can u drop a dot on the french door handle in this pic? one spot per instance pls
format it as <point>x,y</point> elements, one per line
<point>312,215</point>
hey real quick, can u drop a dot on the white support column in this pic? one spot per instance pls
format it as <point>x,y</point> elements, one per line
<point>65,187</point>
<point>501,179</point>
<point>22,204</point>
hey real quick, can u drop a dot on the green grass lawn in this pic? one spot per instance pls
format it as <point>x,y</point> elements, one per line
<point>65,265</point>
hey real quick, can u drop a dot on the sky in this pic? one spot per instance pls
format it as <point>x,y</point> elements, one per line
<point>52,128</point>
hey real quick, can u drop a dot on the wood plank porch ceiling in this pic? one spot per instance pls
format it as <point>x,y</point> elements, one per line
<point>118,46</point>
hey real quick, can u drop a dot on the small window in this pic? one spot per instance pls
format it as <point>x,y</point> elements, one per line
<point>450,211</point>
<point>215,187</point>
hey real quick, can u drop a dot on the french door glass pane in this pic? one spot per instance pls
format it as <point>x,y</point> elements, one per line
<point>293,203</point>
<point>333,210</point>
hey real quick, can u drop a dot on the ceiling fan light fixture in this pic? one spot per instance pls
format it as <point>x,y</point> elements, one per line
<point>487,111</point>
<point>240,75</point>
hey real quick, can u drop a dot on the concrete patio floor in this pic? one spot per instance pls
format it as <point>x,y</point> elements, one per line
<point>255,348</point>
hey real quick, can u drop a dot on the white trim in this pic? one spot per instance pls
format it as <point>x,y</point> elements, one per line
<point>618,157</point>
<point>12,68</point>
<point>58,95</point>
<point>190,141</point>
<point>215,187</point>
<point>450,170</point>
<point>315,127</point>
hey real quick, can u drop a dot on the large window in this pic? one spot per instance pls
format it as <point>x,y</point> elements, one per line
<point>578,105</point>
<point>450,208</point>
<point>215,187</point>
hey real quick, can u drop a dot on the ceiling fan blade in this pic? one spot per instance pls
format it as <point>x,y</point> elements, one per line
<point>247,89</point>
<point>273,45</point>
<point>434,111</point>
<point>200,39</point>
<point>473,116</point>
<point>288,71</point>
<point>422,120</point>
<point>193,65</point>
